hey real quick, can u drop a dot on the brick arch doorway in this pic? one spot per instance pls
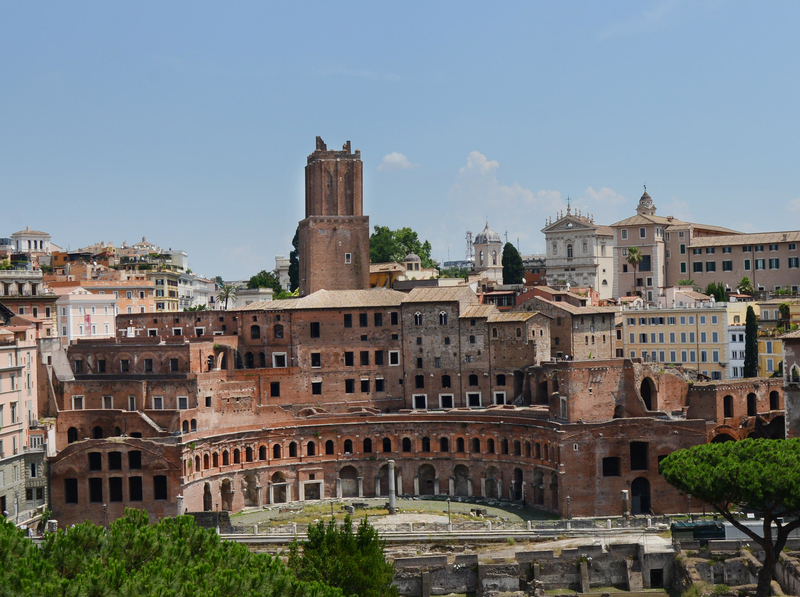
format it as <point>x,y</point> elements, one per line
<point>490,486</point>
<point>461,480</point>
<point>227,495</point>
<point>427,476</point>
<point>640,496</point>
<point>349,477</point>
<point>207,499</point>
<point>649,394</point>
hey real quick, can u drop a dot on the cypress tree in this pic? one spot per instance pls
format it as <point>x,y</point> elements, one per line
<point>513,267</point>
<point>750,344</point>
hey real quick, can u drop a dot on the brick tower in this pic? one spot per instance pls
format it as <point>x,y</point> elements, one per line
<point>334,236</point>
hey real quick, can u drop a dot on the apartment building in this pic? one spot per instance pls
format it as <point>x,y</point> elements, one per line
<point>83,314</point>
<point>694,336</point>
<point>23,483</point>
<point>24,293</point>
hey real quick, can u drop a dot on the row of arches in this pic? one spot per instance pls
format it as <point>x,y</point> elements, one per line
<point>537,450</point>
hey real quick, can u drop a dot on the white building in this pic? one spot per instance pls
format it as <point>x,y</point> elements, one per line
<point>282,271</point>
<point>579,253</point>
<point>83,314</point>
<point>735,351</point>
<point>31,241</point>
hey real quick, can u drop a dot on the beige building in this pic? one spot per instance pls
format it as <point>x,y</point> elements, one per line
<point>694,336</point>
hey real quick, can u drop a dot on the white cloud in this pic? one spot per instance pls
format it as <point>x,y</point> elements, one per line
<point>395,161</point>
<point>604,196</point>
<point>794,204</point>
<point>640,23</point>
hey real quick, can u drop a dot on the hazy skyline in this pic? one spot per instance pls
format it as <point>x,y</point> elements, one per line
<point>190,123</point>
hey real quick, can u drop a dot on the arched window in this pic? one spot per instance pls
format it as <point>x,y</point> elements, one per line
<point>367,446</point>
<point>569,251</point>
<point>236,456</point>
<point>348,446</point>
<point>97,432</point>
<point>444,444</point>
<point>278,331</point>
<point>311,449</point>
<point>225,458</point>
<point>546,456</point>
<point>249,361</point>
<point>490,446</point>
<point>248,454</point>
<point>406,444</point>
<point>72,435</point>
<point>255,332</point>
<point>276,451</point>
<point>519,332</point>
<point>442,318</point>
<point>774,400</point>
<point>494,257</point>
<point>186,426</point>
<point>426,444</point>
<point>215,460</point>
<point>417,318</point>
<point>504,446</point>
<point>446,381</point>
<point>481,258</point>
<point>419,381</point>
<point>476,445</point>
<point>517,448</point>
<point>262,453</point>
<point>494,332</point>
<point>387,444</point>
<point>329,447</point>
<point>262,360</point>
<point>537,448</point>
<point>194,425</point>
<point>293,450</point>
<point>205,461</point>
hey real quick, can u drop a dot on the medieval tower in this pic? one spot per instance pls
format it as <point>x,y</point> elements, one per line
<point>334,236</point>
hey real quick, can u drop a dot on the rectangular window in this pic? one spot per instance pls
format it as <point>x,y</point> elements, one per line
<point>159,487</point>
<point>364,358</point>
<point>124,365</point>
<point>108,402</point>
<point>316,360</point>
<point>349,360</point>
<point>348,258</point>
<point>379,384</point>
<point>379,357</point>
<point>275,389</point>
<point>794,262</point>
<point>365,386</point>
<point>394,357</point>
<point>624,234</point>
<point>394,317</point>
<point>420,401</point>
<point>747,264</point>
<point>697,266</point>
<point>473,399</point>
<point>362,320</point>
<point>115,461</point>
<point>183,402</point>
<point>642,232</point>
<point>774,263</point>
<point>760,263</point>
<point>314,329</point>
<point>96,491</point>
<point>279,360</point>
<point>148,365</point>
<point>727,266</point>
<point>158,402</point>
<point>378,319</point>
<point>316,388</point>
<point>135,489</point>
<point>115,489</point>
<point>639,456</point>
<point>349,386</point>
<point>697,251</point>
<point>611,466</point>
<point>711,266</point>
<point>348,320</point>
<point>70,491</point>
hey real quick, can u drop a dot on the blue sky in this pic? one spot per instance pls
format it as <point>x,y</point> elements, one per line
<point>190,123</point>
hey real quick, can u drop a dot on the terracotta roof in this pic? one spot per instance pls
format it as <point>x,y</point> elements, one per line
<point>697,296</point>
<point>755,238</point>
<point>26,232</point>
<point>645,219</point>
<point>478,311</point>
<point>333,299</point>
<point>391,266</point>
<point>511,316</point>
<point>790,335</point>
<point>443,294</point>
<point>604,231</point>
<point>579,310</point>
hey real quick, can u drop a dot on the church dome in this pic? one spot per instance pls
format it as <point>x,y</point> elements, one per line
<point>487,236</point>
<point>412,257</point>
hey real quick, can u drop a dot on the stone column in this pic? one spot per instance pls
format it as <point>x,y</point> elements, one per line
<point>392,505</point>
<point>271,494</point>
<point>361,487</point>
<point>258,494</point>
<point>179,501</point>
<point>338,489</point>
<point>451,486</point>
<point>416,484</point>
<point>483,487</point>
<point>499,487</point>
<point>469,487</point>
<point>436,486</point>
<point>288,492</point>
<point>302,491</point>
<point>377,485</point>
<point>399,484</point>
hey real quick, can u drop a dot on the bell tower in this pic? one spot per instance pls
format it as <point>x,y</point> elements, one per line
<point>334,236</point>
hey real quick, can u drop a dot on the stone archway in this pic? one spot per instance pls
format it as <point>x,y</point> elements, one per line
<point>461,480</point>
<point>554,490</point>
<point>251,490</point>
<point>427,477</point>
<point>226,491</point>
<point>207,499</point>
<point>491,483</point>
<point>640,496</point>
<point>649,394</point>
<point>278,488</point>
<point>538,488</point>
<point>518,484</point>
<point>349,479</point>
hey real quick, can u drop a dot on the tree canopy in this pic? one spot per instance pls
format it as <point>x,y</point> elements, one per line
<point>634,258</point>
<point>750,344</point>
<point>745,286</point>
<point>225,293</point>
<point>393,245</point>
<point>717,290</point>
<point>173,558</point>
<point>294,262</point>
<point>455,272</point>
<point>759,474</point>
<point>513,267</point>
<point>351,561</point>
<point>265,279</point>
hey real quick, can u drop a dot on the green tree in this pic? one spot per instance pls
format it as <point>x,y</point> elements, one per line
<point>761,474</point>
<point>172,557</point>
<point>750,344</point>
<point>393,245</point>
<point>265,279</point>
<point>197,308</point>
<point>717,290</point>
<point>455,272</point>
<point>351,561</point>
<point>513,268</point>
<point>294,262</point>
<point>226,292</point>
<point>686,282</point>
<point>634,258</point>
<point>745,286</point>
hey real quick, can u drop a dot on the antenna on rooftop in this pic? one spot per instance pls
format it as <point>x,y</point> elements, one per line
<point>470,249</point>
